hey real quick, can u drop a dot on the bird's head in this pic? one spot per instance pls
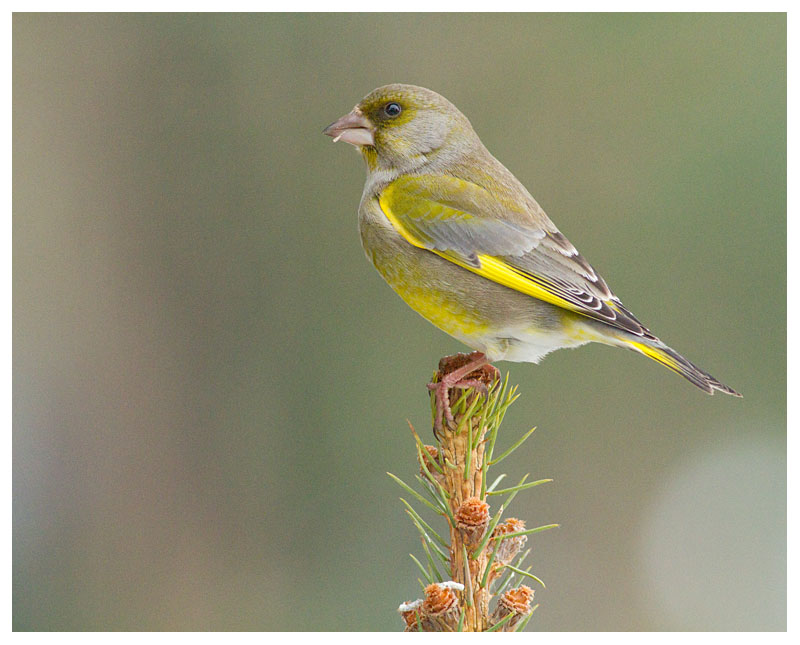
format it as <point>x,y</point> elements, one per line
<point>402,126</point>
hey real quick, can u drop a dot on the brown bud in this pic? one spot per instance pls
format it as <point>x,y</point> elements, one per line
<point>506,550</point>
<point>472,518</point>
<point>439,599</point>
<point>517,600</point>
<point>517,603</point>
<point>441,605</point>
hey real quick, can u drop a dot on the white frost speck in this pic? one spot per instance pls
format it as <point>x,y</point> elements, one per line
<point>409,606</point>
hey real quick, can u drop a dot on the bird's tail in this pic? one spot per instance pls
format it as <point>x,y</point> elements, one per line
<point>668,357</point>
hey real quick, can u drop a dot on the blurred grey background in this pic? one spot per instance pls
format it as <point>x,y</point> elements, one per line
<point>210,380</point>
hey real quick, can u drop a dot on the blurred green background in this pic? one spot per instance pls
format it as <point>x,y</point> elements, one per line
<point>210,380</point>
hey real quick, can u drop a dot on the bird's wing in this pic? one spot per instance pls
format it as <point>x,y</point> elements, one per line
<point>467,225</point>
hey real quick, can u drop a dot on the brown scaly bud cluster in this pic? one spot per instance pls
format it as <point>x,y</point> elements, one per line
<point>439,611</point>
<point>441,604</point>
<point>430,456</point>
<point>506,550</point>
<point>472,519</point>
<point>514,602</point>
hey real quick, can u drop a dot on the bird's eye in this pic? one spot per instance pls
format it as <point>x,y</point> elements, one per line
<point>392,109</point>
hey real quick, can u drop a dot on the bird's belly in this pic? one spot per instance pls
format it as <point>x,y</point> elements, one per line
<point>532,345</point>
<point>479,327</point>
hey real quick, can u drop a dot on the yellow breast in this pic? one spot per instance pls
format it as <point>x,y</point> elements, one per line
<point>440,306</point>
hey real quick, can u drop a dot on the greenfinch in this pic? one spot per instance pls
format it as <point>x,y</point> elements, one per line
<point>462,241</point>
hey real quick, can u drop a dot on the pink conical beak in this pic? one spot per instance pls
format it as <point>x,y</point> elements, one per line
<point>353,128</point>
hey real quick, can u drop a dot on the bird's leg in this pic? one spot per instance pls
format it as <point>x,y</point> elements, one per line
<point>455,379</point>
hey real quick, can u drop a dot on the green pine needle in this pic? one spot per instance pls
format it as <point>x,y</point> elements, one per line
<point>468,465</point>
<point>510,574</point>
<point>432,493</point>
<point>421,451</point>
<point>487,536</point>
<point>488,568</point>
<point>425,573</point>
<point>525,573</point>
<point>512,448</point>
<point>514,490</point>
<point>416,495</point>
<point>495,483</point>
<point>470,411</point>
<point>521,576</point>
<point>500,623</point>
<point>524,623</point>
<point>444,507</point>
<point>529,531</point>
<point>433,568</point>
<point>423,534</point>
<point>519,487</point>
<point>458,408</point>
<point>492,417</point>
<point>429,532</point>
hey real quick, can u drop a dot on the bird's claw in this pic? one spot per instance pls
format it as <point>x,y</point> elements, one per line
<point>442,394</point>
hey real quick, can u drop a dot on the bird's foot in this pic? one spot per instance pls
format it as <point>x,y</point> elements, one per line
<point>453,373</point>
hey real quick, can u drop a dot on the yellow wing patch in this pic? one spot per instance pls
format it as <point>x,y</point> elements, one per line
<point>383,200</point>
<point>498,271</point>
<point>489,267</point>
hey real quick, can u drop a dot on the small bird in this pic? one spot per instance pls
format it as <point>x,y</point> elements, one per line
<point>462,241</point>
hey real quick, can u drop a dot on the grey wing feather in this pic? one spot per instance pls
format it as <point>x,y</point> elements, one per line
<point>467,238</point>
<point>556,264</point>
